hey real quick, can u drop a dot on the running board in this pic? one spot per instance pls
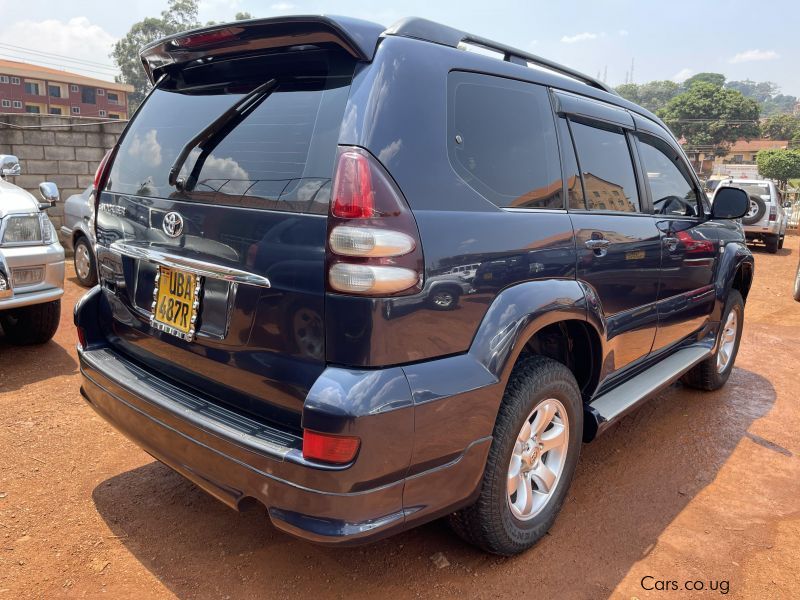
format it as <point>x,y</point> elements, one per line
<point>612,405</point>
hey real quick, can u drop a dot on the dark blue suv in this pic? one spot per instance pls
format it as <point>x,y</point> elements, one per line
<point>371,277</point>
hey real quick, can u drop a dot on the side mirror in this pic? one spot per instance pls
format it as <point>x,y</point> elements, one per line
<point>787,204</point>
<point>9,165</point>
<point>49,193</point>
<point>730,203</point>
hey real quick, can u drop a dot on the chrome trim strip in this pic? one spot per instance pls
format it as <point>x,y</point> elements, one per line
<point>192,265</point>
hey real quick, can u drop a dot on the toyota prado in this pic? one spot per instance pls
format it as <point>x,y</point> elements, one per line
<point>273,232</point>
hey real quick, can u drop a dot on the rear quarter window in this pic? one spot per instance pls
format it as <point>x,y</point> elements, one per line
<point>502,140</point>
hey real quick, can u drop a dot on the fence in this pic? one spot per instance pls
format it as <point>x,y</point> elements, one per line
<point>64,150</point>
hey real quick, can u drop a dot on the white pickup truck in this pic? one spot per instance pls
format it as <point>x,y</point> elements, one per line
<point>31,261</point>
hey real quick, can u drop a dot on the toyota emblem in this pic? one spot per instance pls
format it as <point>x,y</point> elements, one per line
<point>172,224</point>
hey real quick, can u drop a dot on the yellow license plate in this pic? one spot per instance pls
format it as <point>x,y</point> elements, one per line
<point>176,302</point>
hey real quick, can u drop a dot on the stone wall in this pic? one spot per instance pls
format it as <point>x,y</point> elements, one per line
<point>64,150</point>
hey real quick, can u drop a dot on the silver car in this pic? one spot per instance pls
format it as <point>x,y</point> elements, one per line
<point>31,261</point>
<point>78,235</point>
<point>767,216</point>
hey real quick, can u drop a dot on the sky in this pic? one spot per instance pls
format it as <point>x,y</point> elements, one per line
<point>665,40</point>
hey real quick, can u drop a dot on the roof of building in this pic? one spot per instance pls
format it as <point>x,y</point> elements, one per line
<point>756,145</point>
<point>22,69</point>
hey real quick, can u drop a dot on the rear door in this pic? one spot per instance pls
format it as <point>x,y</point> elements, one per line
<point>218,283</point>
<point>618,244</point>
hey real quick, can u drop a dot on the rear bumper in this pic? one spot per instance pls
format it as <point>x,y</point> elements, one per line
<point>761,229</point>
<point>232,458</point>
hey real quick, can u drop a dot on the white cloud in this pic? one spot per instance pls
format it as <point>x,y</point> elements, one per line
<point>77,38</point>
<point>682,75</point>
<point>533,43</point>
<point>754,55</point>
<point>622,32</point>
<point>282,6</point>
<point>580,37</point>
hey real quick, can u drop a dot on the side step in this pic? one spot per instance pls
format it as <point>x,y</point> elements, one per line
<point>614,404</point>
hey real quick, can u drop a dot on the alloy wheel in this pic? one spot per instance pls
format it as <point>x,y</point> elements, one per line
<point>728,341</point>
<point>538,459</point>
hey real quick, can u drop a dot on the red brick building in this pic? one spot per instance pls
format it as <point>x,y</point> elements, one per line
<point>34,89</point>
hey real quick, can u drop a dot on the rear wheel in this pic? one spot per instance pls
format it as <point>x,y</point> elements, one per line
<point>772,244</point>
<point>712,373</point>
<point>780,242</point>
<point>535,448</point>
<point>444,298</point>
<point>31,324</point>
<point>84,263</point>
<point>797,284</point>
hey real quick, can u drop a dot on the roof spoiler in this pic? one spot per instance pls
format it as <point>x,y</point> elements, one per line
<point>358,38</point>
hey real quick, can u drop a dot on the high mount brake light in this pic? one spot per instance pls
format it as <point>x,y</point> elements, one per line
<point>373,242</point>
<point>206,39</point>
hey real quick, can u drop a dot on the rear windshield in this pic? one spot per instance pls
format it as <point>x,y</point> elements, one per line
<point>279,157</point>
<point>755,189</point>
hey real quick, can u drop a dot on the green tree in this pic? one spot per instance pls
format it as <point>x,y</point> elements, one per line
<point>656,94</point>
<point>180,15</point>
<point>715,79</point>
<point>780,127</point>
<point>780,165</point>
<point>652,95</point>
<point>629,91</point>
<point>710,115</point>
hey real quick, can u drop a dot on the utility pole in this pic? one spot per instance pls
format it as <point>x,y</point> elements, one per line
<point>605,74</point>
<point>632,70</point>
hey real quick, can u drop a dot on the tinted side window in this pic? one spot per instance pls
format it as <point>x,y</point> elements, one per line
<point>575,196</point>
<point>672,189</point>
<point>608,176</point>
<point>502,140</point>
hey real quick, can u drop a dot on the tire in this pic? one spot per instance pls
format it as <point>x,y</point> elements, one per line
<point>755,212</point>
<point>31,324</point>
<point>796,293</point>
<point>491,523</point>
<point>772,243</point>
<point>444,298</point>
<point>780,242</point>
<point>709,375</point>
<point>85,264</point>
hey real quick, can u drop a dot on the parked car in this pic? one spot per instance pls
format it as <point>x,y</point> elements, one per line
<point>344,169</point>
<point>766,217</point>
<point>31,260</point>
<point>78,235</point>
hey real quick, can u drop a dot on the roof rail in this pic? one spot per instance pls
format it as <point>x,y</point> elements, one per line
<point>429,31</point>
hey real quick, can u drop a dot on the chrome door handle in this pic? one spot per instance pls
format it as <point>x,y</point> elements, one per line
<point>671,243</point>
<point>599,247</point>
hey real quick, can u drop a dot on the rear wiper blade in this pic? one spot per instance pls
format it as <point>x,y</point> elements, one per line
<point>210,137</point>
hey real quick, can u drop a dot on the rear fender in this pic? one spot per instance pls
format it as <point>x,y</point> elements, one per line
<point>456,399</point>
<point>735,256</point>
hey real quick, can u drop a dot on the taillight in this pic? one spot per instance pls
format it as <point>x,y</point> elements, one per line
<point>101,175</point>
<point>81,337</point>
<point>328,448</point>
<point>373,241</point>
<point>773,213</point>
